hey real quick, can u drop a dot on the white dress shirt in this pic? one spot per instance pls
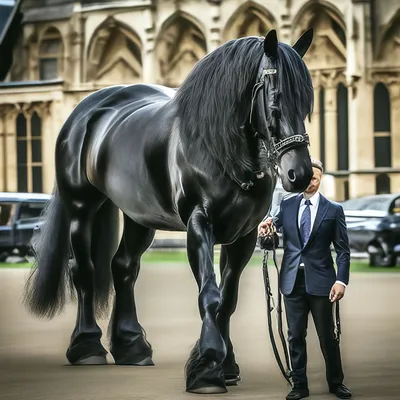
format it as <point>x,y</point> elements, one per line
<point>313,209</point>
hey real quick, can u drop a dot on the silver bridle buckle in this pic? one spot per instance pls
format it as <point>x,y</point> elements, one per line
<point>270,71</point>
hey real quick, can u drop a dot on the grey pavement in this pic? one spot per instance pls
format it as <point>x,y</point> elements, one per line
<point>32,352</point>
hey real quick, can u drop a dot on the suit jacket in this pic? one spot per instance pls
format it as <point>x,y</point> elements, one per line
<point>329,227</point>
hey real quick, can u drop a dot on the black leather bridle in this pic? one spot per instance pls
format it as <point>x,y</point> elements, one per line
<point>275,148</point>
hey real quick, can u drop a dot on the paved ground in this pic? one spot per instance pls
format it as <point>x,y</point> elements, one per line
<point>33,365</point>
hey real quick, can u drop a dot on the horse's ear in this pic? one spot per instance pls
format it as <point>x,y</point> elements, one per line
<point>304,42</point>
<point>271,44</point>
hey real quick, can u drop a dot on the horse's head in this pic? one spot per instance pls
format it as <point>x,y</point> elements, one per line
<point>283,97</point>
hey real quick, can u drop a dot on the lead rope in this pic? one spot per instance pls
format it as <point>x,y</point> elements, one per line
<point>269,297</point>
<point>338,329</point>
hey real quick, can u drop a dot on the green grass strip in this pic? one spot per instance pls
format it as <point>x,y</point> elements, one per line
<point>180,257</point>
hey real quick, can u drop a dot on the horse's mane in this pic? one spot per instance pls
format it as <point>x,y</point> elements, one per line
<point>294,84</point>
<point>214,101</point>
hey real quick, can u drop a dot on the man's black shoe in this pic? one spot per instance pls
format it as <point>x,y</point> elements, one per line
<point>341,391</point>
<point>297,394</point>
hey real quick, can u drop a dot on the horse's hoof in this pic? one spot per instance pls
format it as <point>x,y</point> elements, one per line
<point>231,372</point>
<point>208,390</point>
<point>232,380</point>
<point>87,353</point>
<point>205,378</point>
<point>92,360</point>
<point>137,352</point>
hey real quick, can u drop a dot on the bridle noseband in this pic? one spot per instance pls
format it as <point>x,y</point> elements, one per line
<point>273,147</point>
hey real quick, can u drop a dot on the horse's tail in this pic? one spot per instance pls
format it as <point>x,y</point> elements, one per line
<point>45,288</point>
<point>50,279</point>
<point>104,245</point>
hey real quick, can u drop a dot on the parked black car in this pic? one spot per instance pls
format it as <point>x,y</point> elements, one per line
<point>373,226</point>
<point>19,216</point>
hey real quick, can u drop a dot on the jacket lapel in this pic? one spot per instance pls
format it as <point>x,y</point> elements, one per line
<point>321,212</point>
<point>294,217</point>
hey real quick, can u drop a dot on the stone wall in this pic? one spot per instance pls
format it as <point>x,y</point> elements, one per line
<point>354,62</point>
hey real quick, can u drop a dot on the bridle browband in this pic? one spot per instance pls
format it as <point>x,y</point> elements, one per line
<point>274,148</point>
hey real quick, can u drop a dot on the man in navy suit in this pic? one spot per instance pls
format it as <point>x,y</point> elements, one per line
<point>310,223</point>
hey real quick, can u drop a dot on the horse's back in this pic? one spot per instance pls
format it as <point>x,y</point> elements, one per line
<point>117,140</point>
<point>117,98</point>
<point>96,114</point>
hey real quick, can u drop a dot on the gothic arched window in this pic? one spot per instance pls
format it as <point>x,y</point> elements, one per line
<point>382,184</point>
<point>50,55</point>
<point>342,128</point>
<point>29,153</point>
<point>382,134</point>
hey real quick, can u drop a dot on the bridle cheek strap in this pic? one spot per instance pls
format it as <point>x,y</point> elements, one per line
<point>275,148</point>
<point>281,146</point>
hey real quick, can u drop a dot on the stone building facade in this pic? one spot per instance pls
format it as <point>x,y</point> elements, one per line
<point>65,49</point>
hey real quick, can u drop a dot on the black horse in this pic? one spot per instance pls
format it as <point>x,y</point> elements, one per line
<point>204,160</point>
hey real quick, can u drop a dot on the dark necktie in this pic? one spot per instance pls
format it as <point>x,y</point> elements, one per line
<point>305,222</point>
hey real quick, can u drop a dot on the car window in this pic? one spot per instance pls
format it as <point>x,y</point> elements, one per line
<point>395,206</point>
<point>376,203</point>
<point>30,210</point>
<point>7,211</point>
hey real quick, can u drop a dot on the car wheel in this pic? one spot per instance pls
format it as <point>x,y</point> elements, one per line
<point>4,255</point>
<point>378,260</point>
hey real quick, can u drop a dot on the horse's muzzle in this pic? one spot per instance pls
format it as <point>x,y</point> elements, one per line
<point>296,170</point>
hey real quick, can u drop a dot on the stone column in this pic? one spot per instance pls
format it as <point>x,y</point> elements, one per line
<point>31,51</point>
<point>215,39</point>
<point>394,91</point>
<point>3,150</point>
<point>361,137</point>
<point>214,36</point>
<point>394,182</point>
<point>285,31</point>
<point>77,42</point>
<point>49,136</point>
<point>150,72</point>
<point>339,188</point>
<point>313,129</point>
<point>359,55</point>
<point>331,123</point>
<point>11,176</point>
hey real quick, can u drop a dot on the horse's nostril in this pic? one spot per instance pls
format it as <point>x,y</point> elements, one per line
<point>291,175</point>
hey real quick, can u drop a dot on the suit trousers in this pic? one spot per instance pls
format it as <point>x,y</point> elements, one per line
<point>298,305</point>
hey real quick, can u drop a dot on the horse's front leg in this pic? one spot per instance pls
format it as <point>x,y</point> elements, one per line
<point>234,258</point>
<point>204,372</point>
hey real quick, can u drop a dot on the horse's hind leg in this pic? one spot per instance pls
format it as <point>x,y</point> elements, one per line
<point>234,258</point>
<point>128,344</point>
<point>204,372</point>
<point>85,346</point>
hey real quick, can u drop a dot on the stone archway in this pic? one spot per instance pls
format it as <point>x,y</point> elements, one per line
<point>250,19</point>
<point>388,44</point>
<point>328,50</point>
<point>327,61</point>
<point>180,45</point>
<point>114,54</point>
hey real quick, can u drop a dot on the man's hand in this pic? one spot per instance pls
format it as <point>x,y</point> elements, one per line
<point>337,292</point>
<point>265,227</point>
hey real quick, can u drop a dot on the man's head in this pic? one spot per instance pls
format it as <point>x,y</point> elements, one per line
<point>315,182</point>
